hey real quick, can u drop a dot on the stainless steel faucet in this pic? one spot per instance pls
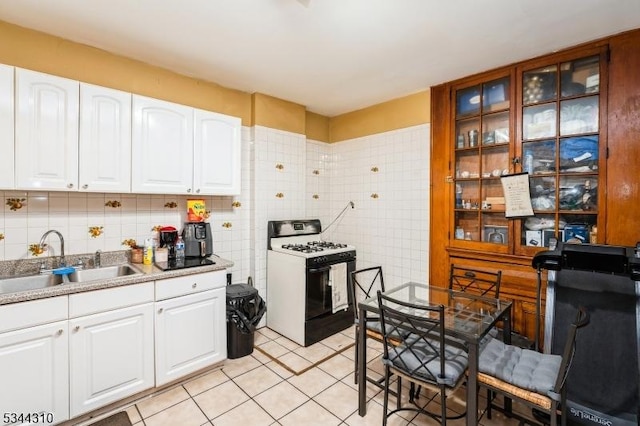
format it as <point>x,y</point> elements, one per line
<point>96,259</point>
<point>63,261</point>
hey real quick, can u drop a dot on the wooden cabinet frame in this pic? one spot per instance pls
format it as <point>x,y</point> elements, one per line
<point>618,56</point>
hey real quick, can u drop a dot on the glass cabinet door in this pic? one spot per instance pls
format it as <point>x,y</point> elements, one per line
<point>481,146</point>
<point>560,150</point>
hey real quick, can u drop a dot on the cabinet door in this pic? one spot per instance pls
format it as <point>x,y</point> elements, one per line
<point>110,356</point>
<point>481,150</point>
<point>190,334</point>
<point>105,139</point>
<point>216,166</point>
<point>6,127</point>
<point>35,372</point>
<point>563,148</point>
<point>162,147</point>
<point>46,131</point>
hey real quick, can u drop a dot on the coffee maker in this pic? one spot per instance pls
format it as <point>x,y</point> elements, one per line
<point>198,241</point>
<point>167,238</point>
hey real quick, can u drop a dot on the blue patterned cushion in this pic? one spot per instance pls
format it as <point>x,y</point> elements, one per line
<point>414,362</point>
<point>524,368</point>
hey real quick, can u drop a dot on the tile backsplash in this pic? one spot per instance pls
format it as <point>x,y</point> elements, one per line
<point>284,176</point>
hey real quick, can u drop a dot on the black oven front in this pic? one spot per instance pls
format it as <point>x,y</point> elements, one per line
<point>320,321</point>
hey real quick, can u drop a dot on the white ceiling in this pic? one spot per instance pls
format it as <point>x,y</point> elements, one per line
<point>333,56</point>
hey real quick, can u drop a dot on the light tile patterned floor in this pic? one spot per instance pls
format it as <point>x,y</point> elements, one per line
<point>255,390</point>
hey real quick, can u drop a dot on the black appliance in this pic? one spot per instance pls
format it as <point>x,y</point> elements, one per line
<point>188,262</point>
<point>198,241</point>
<point>167,238</point>
<point>602,387</point>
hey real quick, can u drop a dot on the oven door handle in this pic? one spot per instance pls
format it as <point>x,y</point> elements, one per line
<point>317,270</point>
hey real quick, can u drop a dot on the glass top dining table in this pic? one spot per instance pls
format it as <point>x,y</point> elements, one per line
<point>468,317</point>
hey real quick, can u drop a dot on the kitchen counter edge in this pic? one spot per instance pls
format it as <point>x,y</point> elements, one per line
<point>149,273</point>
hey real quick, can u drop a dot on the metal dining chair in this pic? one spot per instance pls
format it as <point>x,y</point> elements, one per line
<point>475,281</point>
<point>364,284</point>
<point>483,283</point>
<point>424,356</point>
<point>535,379</point>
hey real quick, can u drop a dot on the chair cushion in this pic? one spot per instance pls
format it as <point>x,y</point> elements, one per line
<point>414,362</point>
<point>524,368</point>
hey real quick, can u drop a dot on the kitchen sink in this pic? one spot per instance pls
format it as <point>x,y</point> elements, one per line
<point>29,282</point>
<point>35,282</point>
<point>104,273</point>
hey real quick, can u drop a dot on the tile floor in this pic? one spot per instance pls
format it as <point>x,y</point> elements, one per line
<point>256,390</point>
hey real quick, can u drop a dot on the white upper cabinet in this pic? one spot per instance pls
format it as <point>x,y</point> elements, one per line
<point>6,127</point>
<point>46,133</point>
<point>105,139</point>
<point>216,160</point>
<point>162,147</point>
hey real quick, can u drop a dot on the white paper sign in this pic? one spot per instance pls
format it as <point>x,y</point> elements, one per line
<point>516,195</point>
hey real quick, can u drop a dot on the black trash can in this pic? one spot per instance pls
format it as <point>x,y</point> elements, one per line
<point>245,309</point>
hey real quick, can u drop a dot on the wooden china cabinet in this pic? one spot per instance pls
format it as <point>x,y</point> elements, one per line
<point>547,117</point>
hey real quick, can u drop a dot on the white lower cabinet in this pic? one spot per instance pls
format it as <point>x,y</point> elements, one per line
<point>64,356</point>
<point>34,361</point>
<point>110,345</point>
<point>110,356</point>
<point>34,371</point>
<point>191,329</point>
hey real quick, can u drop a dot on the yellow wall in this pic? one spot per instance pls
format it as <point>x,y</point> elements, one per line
<point>53,55</point>
<point>392,115</point>
<point>278,114</point>
<point>317,127</point>
<point>38,51</point>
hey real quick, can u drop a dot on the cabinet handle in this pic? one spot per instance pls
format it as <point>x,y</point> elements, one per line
<point>85,186</point>
<point>59,333</point>
<point>198,191</point>
<point>76,328</point>
<point>194,285</point>
<point>69,185</point>
<point>160,310</point>
<point>189,191</point>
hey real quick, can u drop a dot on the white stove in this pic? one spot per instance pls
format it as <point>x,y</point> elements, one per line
<point>303,273</point>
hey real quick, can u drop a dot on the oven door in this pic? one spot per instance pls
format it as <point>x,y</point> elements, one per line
<point>318,294</point>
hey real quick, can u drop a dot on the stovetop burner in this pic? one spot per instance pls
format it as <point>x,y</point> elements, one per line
<point>314,246</point>
<point>326,244</point>
<point>302,248</point>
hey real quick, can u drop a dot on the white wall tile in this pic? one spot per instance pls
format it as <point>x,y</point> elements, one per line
<point>391,230</point>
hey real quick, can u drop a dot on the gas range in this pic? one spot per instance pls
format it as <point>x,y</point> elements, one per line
<point>307,281</point>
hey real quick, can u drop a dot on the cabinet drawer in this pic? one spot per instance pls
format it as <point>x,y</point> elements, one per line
<point>93,302</point>
<point>35,312</point>
<point>179,286</point>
